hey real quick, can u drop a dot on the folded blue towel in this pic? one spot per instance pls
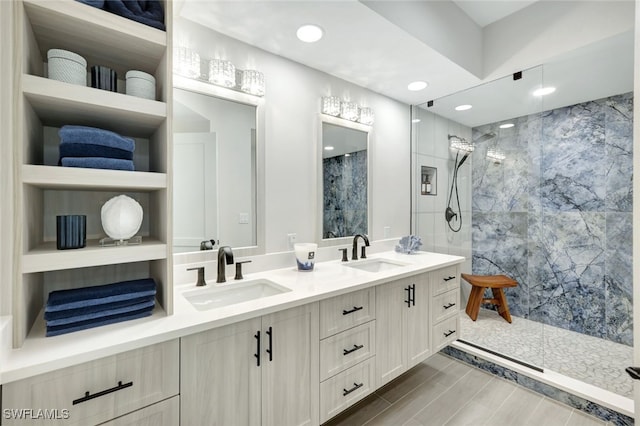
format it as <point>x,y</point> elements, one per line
<point>97,322</point>
<point>148,12</point>
<point>101,314</point>
<point>95,3</point>
<point>60,300</point>
<point>98,163</point>
<point>95,136</point>
<point>96,309</point>
<point>91,150</point>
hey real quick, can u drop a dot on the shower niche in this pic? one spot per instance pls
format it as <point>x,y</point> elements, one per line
<point>428,179</point>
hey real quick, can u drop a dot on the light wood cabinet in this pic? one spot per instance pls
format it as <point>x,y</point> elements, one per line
<point>165,413</point>
<point>100,390</point>
<point>262,371</point>
<point>41,190</point>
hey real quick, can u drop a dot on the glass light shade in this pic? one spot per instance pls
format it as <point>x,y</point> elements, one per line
<point>331,105</point>
<point>366,116</point>
<point>222,73</point>
<point>186,62</point>
<point>252,82</point>
<point>349,111</point>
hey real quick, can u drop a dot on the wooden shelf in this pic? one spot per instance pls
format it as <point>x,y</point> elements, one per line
<point>55,102</point>
<point>101,37</point>
<point>47,258</point>
<point>53,177</point>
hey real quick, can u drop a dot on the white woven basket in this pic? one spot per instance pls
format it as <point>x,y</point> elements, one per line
<point>67,66</point>
<point>141,84</point>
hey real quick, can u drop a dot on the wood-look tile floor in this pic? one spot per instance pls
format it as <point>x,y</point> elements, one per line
<point>445,391</point>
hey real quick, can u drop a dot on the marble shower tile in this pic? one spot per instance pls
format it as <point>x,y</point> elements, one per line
<point>619,151</point>
<point>619,278</point>
<point>573,158</point>
<point>567,262</point>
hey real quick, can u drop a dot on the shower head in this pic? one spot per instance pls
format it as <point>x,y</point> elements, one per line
<point>485,137</point>
<point>464,157</point>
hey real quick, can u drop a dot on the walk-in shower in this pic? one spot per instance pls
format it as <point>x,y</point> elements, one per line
<point>544,198</point>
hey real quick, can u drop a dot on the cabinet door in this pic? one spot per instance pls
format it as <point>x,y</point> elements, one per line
<point>391,311</point>
<point>290,367</point>
<point>418,321</point>
<point>165,413</point>
<point>220,378</point>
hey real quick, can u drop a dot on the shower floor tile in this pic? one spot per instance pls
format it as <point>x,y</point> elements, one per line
<point>590,359</point>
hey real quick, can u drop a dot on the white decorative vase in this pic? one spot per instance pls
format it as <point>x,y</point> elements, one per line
<point>121,217</point>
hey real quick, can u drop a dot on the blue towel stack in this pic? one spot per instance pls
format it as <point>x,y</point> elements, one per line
<point>148,12</point>
<point>94,148</point>
<point>78,309</point>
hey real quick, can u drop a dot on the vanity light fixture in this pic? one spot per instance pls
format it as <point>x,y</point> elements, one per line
<point>334,106</point>
<point>222,73</point>
<point>417,85</point>
<point>186,62</point>
<point>309,33</point>
<point>252,82</point>
<point>544,91</point>
<point>506,125</point>
<point>463,107</point>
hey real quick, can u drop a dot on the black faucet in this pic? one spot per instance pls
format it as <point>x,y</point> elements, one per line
<point>225,255</point>
<point>354,252</point>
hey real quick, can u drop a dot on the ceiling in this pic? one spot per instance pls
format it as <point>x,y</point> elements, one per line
<point>364,47</point>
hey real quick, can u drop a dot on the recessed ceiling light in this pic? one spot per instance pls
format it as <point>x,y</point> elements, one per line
<point>544,91</point>
<point>328,148</point>
<point>415,120</point>
<point>310,33</point>
<point>506,125</point>
<point>463,107</point>
<point>417,85</point>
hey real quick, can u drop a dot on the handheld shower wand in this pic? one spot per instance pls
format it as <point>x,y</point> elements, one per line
<point>449,213</point>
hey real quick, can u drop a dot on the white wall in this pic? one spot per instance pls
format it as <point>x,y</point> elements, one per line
<point>292,107</point>
<point>430,147</point>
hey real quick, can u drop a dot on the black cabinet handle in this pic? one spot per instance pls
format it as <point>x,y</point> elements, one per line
<point>87,396</point>
<point>355,309</point>
<point>634,372</point>
<point>449,278</point>
<point>413,295</point>
<point>449,333</point>
<point>270,350</point>
<point>257,354</point>
<point>355,387</point>
<point>408,301</point>
<point>355,348</point>
<point>448,305</point>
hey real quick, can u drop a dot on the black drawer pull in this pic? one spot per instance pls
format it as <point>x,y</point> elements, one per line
<point>355,387</point>
<point>355,348</point>
<point>257,354</point>
<point>270,350</point>
<point>449,333</point>
<point>448,305</point>
<point>449,278</point>
<point>355,309</point>
<point>408,301</point>
<point>87,396</point>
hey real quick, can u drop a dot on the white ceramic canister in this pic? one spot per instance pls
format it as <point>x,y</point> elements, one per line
<point>67,66</point>
<point>141,84</point>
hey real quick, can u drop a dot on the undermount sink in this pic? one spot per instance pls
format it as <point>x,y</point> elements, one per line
<point>375,265</point>
<point>217,296</point>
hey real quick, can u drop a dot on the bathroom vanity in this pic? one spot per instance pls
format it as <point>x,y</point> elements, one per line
<point>299,356</point>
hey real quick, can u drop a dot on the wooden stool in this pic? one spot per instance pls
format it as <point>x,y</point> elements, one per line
<point>479,284</point>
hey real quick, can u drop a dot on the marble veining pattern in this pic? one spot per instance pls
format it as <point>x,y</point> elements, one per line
<point>556,215</point>
<point>345,195</point>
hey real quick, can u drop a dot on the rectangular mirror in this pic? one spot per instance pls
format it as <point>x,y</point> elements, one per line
<point>345,178</point>
<point>215,163</point>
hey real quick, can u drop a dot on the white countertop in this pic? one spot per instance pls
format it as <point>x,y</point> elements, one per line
<point>41,354</point>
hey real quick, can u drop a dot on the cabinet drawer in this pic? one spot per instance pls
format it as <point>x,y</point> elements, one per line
<point>342,312</point>
<point>445,305</point>
<point>445,279</point>
<point>100,390</point>
<point>341,391</point>
<point>343,350</point>
<point>445,332</point>
<point>165,413</point>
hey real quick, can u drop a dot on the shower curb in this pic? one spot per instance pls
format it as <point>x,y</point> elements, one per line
<point>577,402</point>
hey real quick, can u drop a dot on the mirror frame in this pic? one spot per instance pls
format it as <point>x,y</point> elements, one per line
<point>336,121</point>
<point>205,88</point>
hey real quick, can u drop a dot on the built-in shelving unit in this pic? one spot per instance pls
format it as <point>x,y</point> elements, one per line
<point>43,190</point>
